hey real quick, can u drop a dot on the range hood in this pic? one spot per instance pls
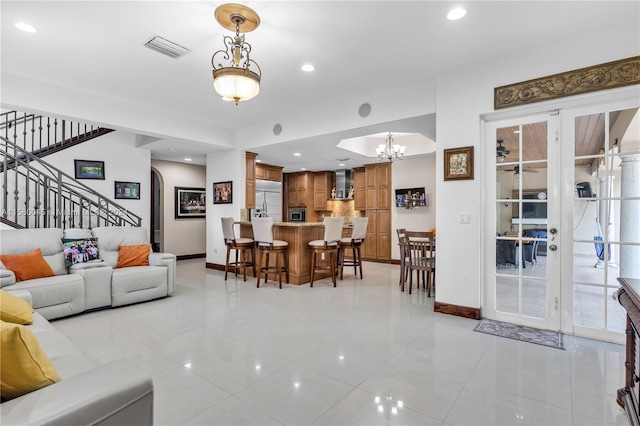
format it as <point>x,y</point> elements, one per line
<point>344,185</point>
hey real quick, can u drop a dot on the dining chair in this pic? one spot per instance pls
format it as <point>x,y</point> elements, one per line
<point>422,258</point>
<point>328,246</point>
<point>242,246</point>
<point>404,256</point>
<point>263,236</point>
<point>354,242</point>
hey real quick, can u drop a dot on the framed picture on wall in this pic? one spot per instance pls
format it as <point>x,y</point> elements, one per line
<point>223,192</point>
<point>127,190</point>
<point>458,163</point>
<point>190,202</point>
<point>85,169</point>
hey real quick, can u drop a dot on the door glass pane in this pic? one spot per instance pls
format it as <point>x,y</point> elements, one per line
<point>521,219</point>
<point>605,218</point>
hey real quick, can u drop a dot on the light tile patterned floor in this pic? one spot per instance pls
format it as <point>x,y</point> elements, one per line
<point>228,353</point>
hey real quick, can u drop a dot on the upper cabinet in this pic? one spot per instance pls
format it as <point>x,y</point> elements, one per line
<point>250,181</point>
<point>378,186</point>
<point>300,189</point>
<point>322,184</point>
<point>268,172</point>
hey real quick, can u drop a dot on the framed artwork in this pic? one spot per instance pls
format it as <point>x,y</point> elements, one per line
<point>127,190</point>
<point>190,202</point>
<point>89,169</point>
<point>458,163</point>
<point>223,192</point>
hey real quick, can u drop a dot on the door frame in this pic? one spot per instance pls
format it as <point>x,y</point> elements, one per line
<point>620,96</point>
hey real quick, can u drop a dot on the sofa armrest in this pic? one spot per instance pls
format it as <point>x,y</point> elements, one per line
<point>168,260</point>
<point>7,277</point>
<point>119,393</point>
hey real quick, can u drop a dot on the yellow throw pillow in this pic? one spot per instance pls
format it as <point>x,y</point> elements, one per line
<point>133,255</point>
<point>27,266</point>
<point>15,310</point>
<point>24,367</point>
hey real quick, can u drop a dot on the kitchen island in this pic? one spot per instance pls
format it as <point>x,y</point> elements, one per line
<point>298,235</point>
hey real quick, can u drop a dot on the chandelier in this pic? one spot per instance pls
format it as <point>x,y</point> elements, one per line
<point>390,150</point>
<point>236,81</point>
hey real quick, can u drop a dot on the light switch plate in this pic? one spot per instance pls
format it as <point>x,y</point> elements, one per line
<point>465,217</point>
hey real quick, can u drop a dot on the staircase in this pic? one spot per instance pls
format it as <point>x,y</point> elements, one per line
<point>35,194</point>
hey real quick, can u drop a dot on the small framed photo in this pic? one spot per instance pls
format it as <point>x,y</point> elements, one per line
<point>223,192</point>
<point>458,163</point>
<point>190,203</point>
<point>86,169</point>
<point>127,190</point>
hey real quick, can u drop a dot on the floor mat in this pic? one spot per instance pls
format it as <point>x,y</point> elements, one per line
<point>519,332</point>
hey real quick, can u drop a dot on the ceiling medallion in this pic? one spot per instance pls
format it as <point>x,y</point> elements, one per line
<point>236,81</point>
<point>390,150</point>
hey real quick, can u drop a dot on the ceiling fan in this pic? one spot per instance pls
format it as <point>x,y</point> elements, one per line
<point>516,170</point>
<point>501,151</point>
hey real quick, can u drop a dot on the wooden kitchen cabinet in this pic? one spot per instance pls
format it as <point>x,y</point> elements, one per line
<point>268,172</point>
<point>377,179</point>
<point>322,184</point>
<point>360,186</point>
<point>300,189</point>
<point>250,180</point>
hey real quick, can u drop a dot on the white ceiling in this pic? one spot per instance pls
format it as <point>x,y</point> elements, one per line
<point>356,46</point>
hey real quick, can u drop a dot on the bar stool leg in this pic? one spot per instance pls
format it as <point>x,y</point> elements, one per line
<point>313,266</point>
<point>259,267</point>
<point>226,264</point>
<point>278,271</point>
<point>243,256</point>
<point>332,264</point>
<point>356,250</point>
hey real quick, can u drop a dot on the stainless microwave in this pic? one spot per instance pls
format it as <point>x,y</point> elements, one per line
<point>297,215</point>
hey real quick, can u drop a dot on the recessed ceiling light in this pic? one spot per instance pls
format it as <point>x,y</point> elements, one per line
<point>258,161</point>
<point>341,164</point>
<point>456,13</point>
<point>297,154</point>
<point>188,159</point>
<point>307,67</point>
<point>26,27</point>
<point>303,168</point>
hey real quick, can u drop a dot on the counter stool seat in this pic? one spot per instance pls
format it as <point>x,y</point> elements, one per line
<point>266,245</point>
<point>328,246</point>
<point>353,243</point>
<point>242,246</point>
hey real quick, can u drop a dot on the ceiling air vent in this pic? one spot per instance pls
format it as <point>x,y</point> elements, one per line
<point>166,47</point>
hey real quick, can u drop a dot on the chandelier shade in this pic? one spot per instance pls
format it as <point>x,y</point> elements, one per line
<point>235,80</point>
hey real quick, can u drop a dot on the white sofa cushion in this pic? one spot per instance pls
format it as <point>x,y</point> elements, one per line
<point>138,283</point>
<point>55,297</point>
<point>111,237</point>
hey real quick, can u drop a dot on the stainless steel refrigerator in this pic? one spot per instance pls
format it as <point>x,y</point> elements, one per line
<point>269,199</point>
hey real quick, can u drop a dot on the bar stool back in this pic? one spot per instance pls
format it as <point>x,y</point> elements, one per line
<point>354,242</point>
<point>328,246</point>
<point>242,246</point>
<point>263,235</point>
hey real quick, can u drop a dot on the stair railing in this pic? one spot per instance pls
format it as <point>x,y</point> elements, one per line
<point>45,135</point>
<point>37,194</point>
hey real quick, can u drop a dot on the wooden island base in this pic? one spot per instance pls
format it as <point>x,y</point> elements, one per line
<point>298,235</point>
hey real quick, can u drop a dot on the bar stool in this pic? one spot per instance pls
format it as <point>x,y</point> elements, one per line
<point>263,236</point>
<point>243,246</point>
<point>354,242</point>
<point>328,246</point>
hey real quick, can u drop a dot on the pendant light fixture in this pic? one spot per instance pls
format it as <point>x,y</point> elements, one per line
<point>390,150</point>
<point>235,80</point>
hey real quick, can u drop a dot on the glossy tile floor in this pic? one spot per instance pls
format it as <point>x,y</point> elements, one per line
<point>228,353</point>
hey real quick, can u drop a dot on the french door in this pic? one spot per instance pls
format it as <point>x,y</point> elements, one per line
<point>563,222</point>
<point>522,274</point>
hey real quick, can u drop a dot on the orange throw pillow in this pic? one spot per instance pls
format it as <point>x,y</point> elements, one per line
<point>27,266</point>
<point>133,255</point>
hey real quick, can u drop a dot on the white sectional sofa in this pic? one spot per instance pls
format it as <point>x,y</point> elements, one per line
<point>119,393</point>
<point>91,285</point>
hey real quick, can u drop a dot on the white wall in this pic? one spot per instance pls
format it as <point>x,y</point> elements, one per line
<point>462,96</point>
<point>180,236</point>
<point>223,166</point>
<point>411,174</point>
<point>122,162</point>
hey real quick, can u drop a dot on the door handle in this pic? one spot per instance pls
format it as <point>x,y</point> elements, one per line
<point>553,247</point>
